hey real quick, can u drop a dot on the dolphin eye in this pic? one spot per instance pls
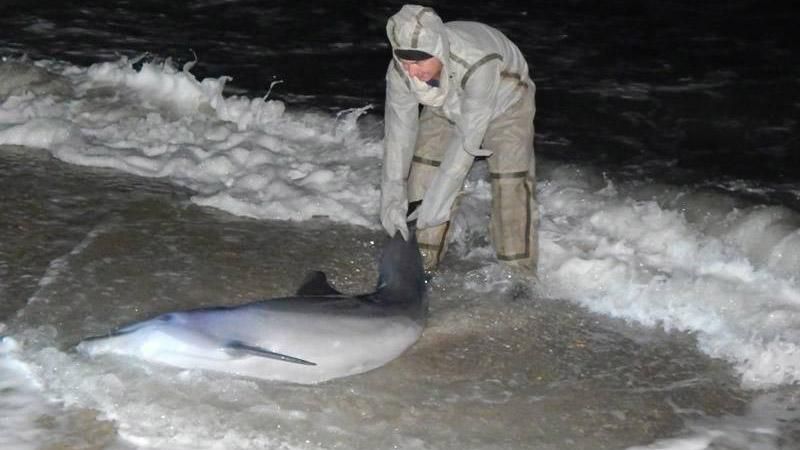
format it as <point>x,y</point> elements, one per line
<point>167,317</point>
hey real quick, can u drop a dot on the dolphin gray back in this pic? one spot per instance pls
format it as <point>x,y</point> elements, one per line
<point>402,277</point>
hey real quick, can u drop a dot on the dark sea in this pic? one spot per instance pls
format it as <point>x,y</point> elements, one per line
<point>157,156</point>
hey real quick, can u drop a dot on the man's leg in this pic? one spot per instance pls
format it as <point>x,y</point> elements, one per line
<point>434,132</point>
<point>515,215</point>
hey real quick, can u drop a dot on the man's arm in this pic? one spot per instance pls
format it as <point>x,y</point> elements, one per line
<point>477,107</point>
<point>401,122</point>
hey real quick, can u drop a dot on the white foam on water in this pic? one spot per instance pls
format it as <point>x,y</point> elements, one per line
<point>246,156</point>
<point>28,418</point>
<point>641,261</point>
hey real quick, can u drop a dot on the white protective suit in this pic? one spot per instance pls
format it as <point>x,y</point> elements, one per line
<point>484,76</point>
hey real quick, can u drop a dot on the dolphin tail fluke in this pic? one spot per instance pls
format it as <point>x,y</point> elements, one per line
<point>240,347</point>
<point>402,277</point>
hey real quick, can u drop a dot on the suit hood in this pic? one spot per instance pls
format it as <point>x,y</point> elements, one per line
<point>416,27</point>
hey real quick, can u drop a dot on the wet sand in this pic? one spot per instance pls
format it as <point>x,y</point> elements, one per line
<point>494,369</point>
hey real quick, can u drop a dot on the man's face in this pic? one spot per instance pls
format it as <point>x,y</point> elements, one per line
<point>424,70</point>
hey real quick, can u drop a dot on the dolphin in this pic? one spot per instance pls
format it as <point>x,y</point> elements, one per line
<point>317,335</point>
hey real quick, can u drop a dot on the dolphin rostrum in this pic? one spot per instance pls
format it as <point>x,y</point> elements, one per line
<point>317,335</point>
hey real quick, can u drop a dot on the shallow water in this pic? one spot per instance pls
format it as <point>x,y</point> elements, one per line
<point>497,367</point>
<point>667,309</point>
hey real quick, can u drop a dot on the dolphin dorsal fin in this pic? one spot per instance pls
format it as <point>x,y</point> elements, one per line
<point>316,284</point>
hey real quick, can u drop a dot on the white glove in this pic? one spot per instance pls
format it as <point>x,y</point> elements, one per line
<point>438,200</point>
<point>394,207</point>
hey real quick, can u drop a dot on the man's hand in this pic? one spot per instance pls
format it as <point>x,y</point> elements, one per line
<point>394,207</point>
<point>438,200</point>
<point>428,217</point>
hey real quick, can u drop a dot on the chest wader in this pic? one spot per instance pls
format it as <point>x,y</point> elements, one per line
<point>515,215</point>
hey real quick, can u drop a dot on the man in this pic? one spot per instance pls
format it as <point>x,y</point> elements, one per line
<point>478,100</point>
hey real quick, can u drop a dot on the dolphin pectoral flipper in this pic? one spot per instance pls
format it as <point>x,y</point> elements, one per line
<point>241,347</point>
<point>316,284</point>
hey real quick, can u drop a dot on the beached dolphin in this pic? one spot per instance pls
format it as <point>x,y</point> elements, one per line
<point>317,335</point>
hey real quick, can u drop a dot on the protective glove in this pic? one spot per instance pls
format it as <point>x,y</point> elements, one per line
<point>438,200</point>
<point>394,208</point>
